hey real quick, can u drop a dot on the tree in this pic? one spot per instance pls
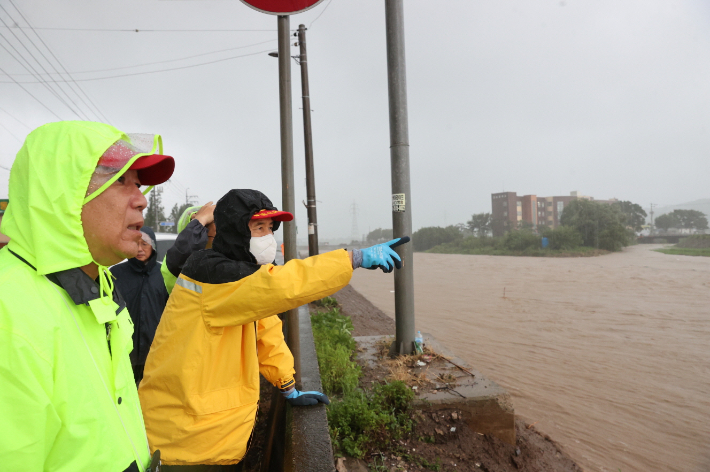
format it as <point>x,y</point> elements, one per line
<point>500,226</point>
<point>155,213</point>
<point>427,238</point>
<point>378,235</point>
<point>635,215</point>
<point>563,237</point>
<point>667,221</point>
<point>479,224</point>
<point>691,219</point>
<point>600,225</point>
<point>175,214</point>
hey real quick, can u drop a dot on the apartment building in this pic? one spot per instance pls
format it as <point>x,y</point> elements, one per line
<point>510,211</point>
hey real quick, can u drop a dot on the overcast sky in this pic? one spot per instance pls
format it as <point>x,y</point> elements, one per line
<point>607,97</point>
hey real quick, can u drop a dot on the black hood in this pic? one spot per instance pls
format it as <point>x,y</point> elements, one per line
<point>231,217</point>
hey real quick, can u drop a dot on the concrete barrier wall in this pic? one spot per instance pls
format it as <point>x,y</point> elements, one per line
<point>304,445</point>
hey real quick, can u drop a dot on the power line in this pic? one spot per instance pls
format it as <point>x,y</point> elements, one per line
<point>13,134</point>
<point>29,93</point>
<point>79,112</point>
<point>15,118</point>
<point>5,168</point>
<point>137,30</point>
<point>167,61</point>
<point>62,66</point>
<point>39,81</point>
<point>152,71</point>
<point>321,13</point>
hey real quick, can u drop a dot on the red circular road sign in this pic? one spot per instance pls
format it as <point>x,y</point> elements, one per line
<point>282,7</point>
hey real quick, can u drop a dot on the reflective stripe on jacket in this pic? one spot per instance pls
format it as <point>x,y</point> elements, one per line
<point>200,388</point>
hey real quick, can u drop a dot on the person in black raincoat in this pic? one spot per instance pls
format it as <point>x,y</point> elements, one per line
<point>140,282</point>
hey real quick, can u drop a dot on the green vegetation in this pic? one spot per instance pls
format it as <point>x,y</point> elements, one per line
<point>586,228</point>
<point>563,242</point>
<point>685,251</point>
<point>682,219</point>
<point>334,347</point>
<point>427,238</point>
<point>634,215</point>
<point>479,224</point>
<point>327,302</point>
<point>363,421</point>
<point>696,245</point>
<point>601,226</point>
<point>698,241</point>
<point>359,421</point>
<point>379,235</point>
<point>563,238</point>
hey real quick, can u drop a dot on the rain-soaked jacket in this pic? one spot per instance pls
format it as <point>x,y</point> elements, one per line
<point>68,401</point>
<point>200,389</point>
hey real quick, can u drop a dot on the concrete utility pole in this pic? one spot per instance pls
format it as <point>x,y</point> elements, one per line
<point>401,193</point>
<point>308,140</point>
<point>157,192</point>
<point>652,226</point>
<point>287,193</point>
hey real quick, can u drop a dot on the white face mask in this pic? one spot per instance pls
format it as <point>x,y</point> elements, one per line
<point>263,248</point>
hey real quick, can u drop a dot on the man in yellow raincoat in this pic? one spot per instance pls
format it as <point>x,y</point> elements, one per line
<point>200,388</point>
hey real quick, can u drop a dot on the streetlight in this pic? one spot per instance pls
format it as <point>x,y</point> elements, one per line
<point>302,61</point>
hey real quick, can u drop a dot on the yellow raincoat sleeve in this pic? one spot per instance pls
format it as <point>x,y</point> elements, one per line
<point>275,358</point>
<point>275,289</point>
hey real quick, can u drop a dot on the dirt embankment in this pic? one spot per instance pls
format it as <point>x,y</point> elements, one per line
<point>449,444</point>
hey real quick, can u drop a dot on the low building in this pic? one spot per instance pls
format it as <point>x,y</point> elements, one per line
<point>511,211</point>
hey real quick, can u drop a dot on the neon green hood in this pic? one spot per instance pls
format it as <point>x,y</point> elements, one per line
<point>185,217</point>
<point>48,183</point>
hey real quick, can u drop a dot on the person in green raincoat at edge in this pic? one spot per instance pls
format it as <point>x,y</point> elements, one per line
<point>68,401</point>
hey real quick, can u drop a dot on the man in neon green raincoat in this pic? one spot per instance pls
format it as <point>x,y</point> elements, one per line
<point>68,401</point>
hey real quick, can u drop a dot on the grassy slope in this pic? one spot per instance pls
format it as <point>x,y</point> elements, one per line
<point>685,251</point>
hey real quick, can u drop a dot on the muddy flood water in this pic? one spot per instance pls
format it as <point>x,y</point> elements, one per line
<point>608,355</point>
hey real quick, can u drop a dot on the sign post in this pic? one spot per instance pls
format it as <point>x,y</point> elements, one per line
<point>284,8</point>
<point>401,189</point>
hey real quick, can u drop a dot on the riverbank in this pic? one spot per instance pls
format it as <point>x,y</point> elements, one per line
<point>608,354</point>
<point>442,440</point>
<point>685,251</point>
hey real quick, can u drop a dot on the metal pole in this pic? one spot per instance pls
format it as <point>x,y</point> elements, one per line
<point>401,194</point>
<point>308,139</point>
<point>287,194</point>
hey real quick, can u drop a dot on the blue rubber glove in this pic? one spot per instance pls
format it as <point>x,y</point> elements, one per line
<point>298,398</point>
<point>383,256</point>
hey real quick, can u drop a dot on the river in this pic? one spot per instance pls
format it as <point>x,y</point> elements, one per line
<point>609,355</point>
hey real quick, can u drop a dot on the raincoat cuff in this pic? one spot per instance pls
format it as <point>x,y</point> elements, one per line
<point>357,258</point>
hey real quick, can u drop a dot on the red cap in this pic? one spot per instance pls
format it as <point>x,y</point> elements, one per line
<point>275,215</point>
<point>154,169</point>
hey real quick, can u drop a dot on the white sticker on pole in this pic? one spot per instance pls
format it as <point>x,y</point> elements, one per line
<point>398,202</point>
<point>311,228</point>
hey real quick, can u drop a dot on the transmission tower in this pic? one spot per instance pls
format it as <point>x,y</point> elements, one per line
<point>354,231</point>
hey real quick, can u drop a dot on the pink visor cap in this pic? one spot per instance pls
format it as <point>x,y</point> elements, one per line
<point>153,169</point>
